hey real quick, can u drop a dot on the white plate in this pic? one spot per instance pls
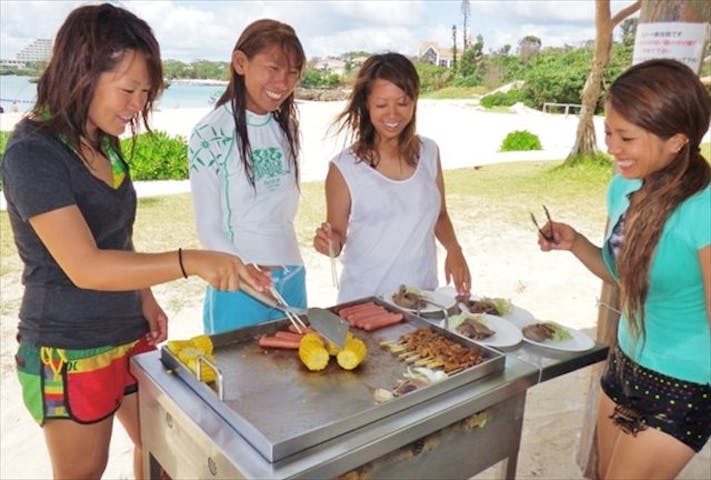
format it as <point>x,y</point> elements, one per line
<point>507,334</point>
<point>578,343</point>
<point>437,297</point>
<point>520,317</point>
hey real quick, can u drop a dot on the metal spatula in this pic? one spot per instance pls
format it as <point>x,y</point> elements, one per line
<point>326,323</point>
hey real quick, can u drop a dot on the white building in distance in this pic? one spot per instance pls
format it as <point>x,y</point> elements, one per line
<point>38,51</point>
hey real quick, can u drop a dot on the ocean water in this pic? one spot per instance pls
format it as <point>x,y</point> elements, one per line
<point>18,93</point>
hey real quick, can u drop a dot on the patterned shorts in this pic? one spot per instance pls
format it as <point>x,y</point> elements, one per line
<point>83,385</point>
<point>646,398</point>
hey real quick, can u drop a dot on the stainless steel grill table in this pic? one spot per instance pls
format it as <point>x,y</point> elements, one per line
<point>454,434</point>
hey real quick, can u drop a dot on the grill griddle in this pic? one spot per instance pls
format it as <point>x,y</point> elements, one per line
<point>281,408</point>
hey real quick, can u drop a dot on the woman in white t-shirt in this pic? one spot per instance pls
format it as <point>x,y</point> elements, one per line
<point>385,201</point>
<point>244,173</point>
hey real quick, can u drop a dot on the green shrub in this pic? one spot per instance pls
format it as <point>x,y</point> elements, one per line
<point>599,159</point>
<point>4,137</point>
<point>520,140</point>
<point>156,156</point>
<point>503,99</point>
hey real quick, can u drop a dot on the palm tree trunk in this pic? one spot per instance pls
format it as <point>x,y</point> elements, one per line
<point>585,142</point>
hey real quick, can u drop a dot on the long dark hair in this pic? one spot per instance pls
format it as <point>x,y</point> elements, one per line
<point>398,70</point>
<point>258,36</point>
<point>92,40</point>
<point>664,97</point>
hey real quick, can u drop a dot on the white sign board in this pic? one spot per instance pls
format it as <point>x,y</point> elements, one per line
<point>678,40</point>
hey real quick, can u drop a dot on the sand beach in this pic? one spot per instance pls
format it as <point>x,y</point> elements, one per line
<point>551,286</point>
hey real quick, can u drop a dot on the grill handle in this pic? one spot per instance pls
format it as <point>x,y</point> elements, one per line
<point>198,371</point>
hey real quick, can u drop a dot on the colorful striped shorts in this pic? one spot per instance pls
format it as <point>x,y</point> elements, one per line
<point>646,398</point>
<point>82,385</point>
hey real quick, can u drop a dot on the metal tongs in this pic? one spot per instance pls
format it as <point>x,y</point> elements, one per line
<point>292,313</point>
<point>426,298</point>
<point>332,258</point>
<point>326,323</point>
<point>547,236</point>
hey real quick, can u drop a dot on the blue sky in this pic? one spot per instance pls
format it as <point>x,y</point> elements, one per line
<point>190,30</point>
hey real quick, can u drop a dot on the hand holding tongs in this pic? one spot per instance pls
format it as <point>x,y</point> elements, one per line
<point>292,313</point>
<point>547,236</point>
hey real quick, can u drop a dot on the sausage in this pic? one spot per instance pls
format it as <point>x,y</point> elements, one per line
<point>266,341</point>
<point>294,337</point>
<point>354,308</point>
<point>353,318</point>
<point>372,316</point>
<point>383,321</point>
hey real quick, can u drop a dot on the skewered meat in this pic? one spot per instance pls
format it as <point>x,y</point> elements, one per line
<point>428,345</point>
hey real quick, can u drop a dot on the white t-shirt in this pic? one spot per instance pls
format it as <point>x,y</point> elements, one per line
<point>231,215</point>
<point>390,239</point>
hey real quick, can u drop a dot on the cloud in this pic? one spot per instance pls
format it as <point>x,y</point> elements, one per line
<point>190,30</point>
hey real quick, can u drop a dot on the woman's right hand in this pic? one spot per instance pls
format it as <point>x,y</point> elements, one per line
<point>564,237</point>
<point>224,271</point>
<point>324,235</point>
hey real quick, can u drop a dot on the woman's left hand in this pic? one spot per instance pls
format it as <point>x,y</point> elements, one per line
<point>456,268</point>
<point>155,316</point>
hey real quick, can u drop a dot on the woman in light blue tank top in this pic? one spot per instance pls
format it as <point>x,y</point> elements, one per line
<point>655,405</point>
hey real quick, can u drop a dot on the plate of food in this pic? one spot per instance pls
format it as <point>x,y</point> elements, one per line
<point>520,317</point>
<point>499,306</point>
<point>557,337</point>
<point>423,301</point>
<point>490,330</point>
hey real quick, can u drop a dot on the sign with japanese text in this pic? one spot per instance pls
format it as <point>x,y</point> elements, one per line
<point>678,40</point>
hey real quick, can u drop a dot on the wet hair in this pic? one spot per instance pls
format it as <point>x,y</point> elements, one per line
<point>398,70</point>
<point>94,39</point>
<point>663,97</point>
<point>257,37</point>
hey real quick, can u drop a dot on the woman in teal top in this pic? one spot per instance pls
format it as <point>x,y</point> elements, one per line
<point>655,406</point>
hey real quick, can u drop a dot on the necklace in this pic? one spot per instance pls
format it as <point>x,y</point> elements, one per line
<point>118,166</point>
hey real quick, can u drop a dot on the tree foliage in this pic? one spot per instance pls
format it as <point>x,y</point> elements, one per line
<point>199,69</point>
<point>470,65</point>
<point>528,47</point>
<point>432,77</point>
<point>556,75</point>
<point>629,29</point>
<point>315,78</point>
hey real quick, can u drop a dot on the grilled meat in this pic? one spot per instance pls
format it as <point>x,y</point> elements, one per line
<point>430,345</point>
<point>483,305</point>
<point>409,299</point>
<point>474,328</point>
<point>539,332</point>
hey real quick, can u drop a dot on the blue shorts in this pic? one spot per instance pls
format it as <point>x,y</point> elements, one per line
<point>224,311</point>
